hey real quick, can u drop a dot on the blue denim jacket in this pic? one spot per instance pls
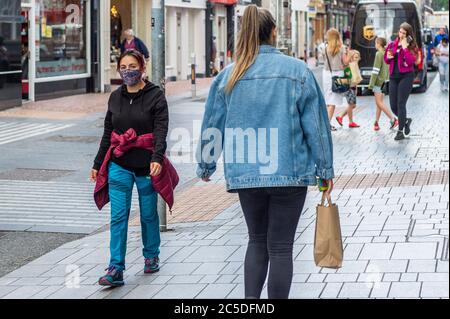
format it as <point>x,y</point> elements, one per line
<point>273,126</point>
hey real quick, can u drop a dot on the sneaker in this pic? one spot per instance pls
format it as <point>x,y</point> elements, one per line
<point>151,265</point>
<point>399,136</point>
<point>340,120</point>
<point>394,124</point>
<point>376,127</point>
<point>113,278</point>
<point>353,125</point>
<point>408,126</point>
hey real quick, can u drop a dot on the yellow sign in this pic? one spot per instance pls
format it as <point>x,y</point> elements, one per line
<point>43,26</point>
<point>369,32</point>
<point>49,32</point>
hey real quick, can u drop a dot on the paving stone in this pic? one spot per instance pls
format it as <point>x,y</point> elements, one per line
<point>405,290</point>
<point>306,290</point>
<point>210,269</point>
<point>355,290</point>
<point>376,251</point>
<point>23,292</point>
<point>382,266</point>
<point>144,292</point>
<point>433,277</point>
<point>380,290</point>
<point>331,290</point>
<point>216,291</point>
<point>435,290</point>
<point>179,291</point>
<point>178,268</point>
<point>414,251</point>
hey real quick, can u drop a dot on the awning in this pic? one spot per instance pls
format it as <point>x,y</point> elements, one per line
<point>225,2</point>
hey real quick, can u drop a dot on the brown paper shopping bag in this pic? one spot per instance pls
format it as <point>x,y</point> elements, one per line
<point>328,250</point>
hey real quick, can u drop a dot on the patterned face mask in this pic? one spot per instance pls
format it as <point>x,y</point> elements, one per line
<point>131,77</point>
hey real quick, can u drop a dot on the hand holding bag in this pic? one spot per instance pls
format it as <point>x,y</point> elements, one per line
<point>339,84</point>
<point>328,249</point>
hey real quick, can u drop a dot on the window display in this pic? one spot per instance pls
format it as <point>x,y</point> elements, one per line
<point>61,30</point>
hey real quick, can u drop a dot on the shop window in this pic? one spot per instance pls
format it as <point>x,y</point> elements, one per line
<point>61,31</point>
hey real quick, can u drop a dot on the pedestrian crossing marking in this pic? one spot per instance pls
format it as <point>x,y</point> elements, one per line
<point>15,131</point>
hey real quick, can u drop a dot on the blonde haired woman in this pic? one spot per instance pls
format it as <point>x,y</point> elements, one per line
<point>336,58</point>
<point>271,104</point>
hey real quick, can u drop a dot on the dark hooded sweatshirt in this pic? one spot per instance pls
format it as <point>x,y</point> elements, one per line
<point>145,111</point>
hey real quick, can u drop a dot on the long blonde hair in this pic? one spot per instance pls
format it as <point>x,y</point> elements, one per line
<point>334,41</point>
<point>256,28</point>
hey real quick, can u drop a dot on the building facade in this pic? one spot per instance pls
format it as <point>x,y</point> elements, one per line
<point>49,49</point>
<point>185,38</point>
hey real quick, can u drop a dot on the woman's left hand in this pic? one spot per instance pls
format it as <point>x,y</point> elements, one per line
<point>155,169</point>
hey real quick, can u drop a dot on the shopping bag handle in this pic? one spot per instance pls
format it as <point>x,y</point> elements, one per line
<point>328,197</point>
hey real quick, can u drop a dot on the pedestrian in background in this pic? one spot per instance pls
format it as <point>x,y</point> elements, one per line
<point>442,53</point>
<point>132,152</point>
<point>354,79</point>
<point>336,58</point>
<point>132,42</point>
<point>401,55</point>
<point>439,36</point>
<point>267,89</point>
<point>380,74</point>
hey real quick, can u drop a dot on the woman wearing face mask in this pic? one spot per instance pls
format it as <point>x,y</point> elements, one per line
<point>401,56</point>
<point>137,120</point>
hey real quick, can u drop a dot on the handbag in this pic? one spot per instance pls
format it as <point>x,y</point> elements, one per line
<point>338,84</point>
<point>328,249</point>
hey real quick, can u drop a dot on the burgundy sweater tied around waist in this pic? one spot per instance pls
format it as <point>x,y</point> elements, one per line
<point>164,184</point>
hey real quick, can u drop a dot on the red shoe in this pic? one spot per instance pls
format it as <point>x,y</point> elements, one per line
<point>353,125</point>
<point>394,124</point>
<point>339,119</point>
<point>376,127</point>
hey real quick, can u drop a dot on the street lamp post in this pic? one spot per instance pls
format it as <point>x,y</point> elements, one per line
<point>159,76</point>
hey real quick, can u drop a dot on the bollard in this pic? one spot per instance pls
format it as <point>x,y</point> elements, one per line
<point>193,77</point>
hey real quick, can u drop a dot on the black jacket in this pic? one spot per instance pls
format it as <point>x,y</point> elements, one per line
<point>146,112</point>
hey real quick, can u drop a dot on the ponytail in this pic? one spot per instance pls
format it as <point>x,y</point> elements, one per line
<point>256,28</point>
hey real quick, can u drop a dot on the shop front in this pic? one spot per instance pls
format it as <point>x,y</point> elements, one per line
<point>220,34</point>
<point>10,54</point>
<point>48,45</point>
<point>62,50</point>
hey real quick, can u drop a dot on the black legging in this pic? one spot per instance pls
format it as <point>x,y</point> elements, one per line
<point>272,215</point>
<point>399,91</point>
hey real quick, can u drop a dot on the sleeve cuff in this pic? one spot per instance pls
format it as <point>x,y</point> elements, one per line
<point>96,166</point>
<point>325,173</point>
<point>205,172</point>
<point>156,158</point>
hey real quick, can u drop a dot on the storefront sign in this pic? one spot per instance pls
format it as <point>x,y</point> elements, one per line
<point>61,67</point>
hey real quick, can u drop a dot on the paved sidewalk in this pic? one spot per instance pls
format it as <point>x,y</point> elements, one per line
<point>394,203</point>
